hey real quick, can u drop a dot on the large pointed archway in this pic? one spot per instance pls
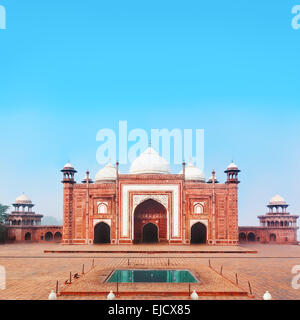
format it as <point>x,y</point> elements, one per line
<point>150,222</point>
<point>198,233</point>
<point>102,233</point>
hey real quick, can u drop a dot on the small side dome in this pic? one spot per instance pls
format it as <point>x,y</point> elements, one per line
<point>22,199</point>
<point>232,166</point>
<point>193,173</point>
<point>277,201</point>
<point>150,162</point>
<point>107,173</point>
<point>68,166</point>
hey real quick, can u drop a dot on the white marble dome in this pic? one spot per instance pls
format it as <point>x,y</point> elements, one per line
<point>22,199</point>
<point>150,162</point>
<point>193,173</point>
<point>232,166</point>
<point>109,172</point>
<point>277,200</point>
<point>68,166</point>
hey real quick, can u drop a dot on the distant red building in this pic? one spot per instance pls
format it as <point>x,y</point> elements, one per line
<point>276,226</point>
<point>24,225</point>
<point>150,204</point>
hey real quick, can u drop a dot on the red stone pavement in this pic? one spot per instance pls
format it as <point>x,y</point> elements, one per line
<point>32,274</point>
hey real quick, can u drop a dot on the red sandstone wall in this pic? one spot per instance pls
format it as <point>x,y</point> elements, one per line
<point>37,233</point>
<point>264,234</point>
<point>226,209</point>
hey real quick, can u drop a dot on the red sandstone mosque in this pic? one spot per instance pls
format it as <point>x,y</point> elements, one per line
<point>150,204</point>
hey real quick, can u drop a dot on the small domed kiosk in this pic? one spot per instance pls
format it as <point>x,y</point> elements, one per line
<point>24,225</point>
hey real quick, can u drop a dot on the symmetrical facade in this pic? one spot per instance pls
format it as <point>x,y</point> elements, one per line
<point>150,204</point>
<point>276,226</point>
<point>25,225</point>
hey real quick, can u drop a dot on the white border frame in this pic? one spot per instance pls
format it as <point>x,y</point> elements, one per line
<point>150,188</point>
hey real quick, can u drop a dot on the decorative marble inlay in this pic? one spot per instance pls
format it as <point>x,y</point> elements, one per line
<point>139,198</point>
<point>163,199</point>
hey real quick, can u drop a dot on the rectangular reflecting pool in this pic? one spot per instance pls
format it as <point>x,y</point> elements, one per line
<point>167,276</point>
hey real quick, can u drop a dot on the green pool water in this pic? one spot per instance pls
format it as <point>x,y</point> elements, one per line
<point>167,276</point>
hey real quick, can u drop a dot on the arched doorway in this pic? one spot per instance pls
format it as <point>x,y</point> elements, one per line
<point>150,233</point>
<point>198,233</point>
<point>57,236</point>
<point>242,237</point>
<point>28,236</point>
<point>102,233</point>
<point>251,237</point>
<point>150,220</point>
<point>272,237</point>
<point>49,236</point>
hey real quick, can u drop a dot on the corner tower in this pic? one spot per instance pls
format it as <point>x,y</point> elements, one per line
<point>68,183</point>
<point>232,182</point>
<point>232,172</point>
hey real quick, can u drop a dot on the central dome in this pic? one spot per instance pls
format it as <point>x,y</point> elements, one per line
<point>150,162</point>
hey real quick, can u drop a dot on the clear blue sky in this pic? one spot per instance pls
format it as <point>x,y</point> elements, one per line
<point>69,69</point>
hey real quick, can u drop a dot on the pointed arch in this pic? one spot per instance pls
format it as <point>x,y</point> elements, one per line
<point>49,236</point>
<point>150,233</point>
<point>198,233</point>
<point>102,208</point>
<point>28,236</point>
<point>150,211</point>
<point>102,233</point>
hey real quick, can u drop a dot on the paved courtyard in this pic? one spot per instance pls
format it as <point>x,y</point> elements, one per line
<point>32,274</point>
